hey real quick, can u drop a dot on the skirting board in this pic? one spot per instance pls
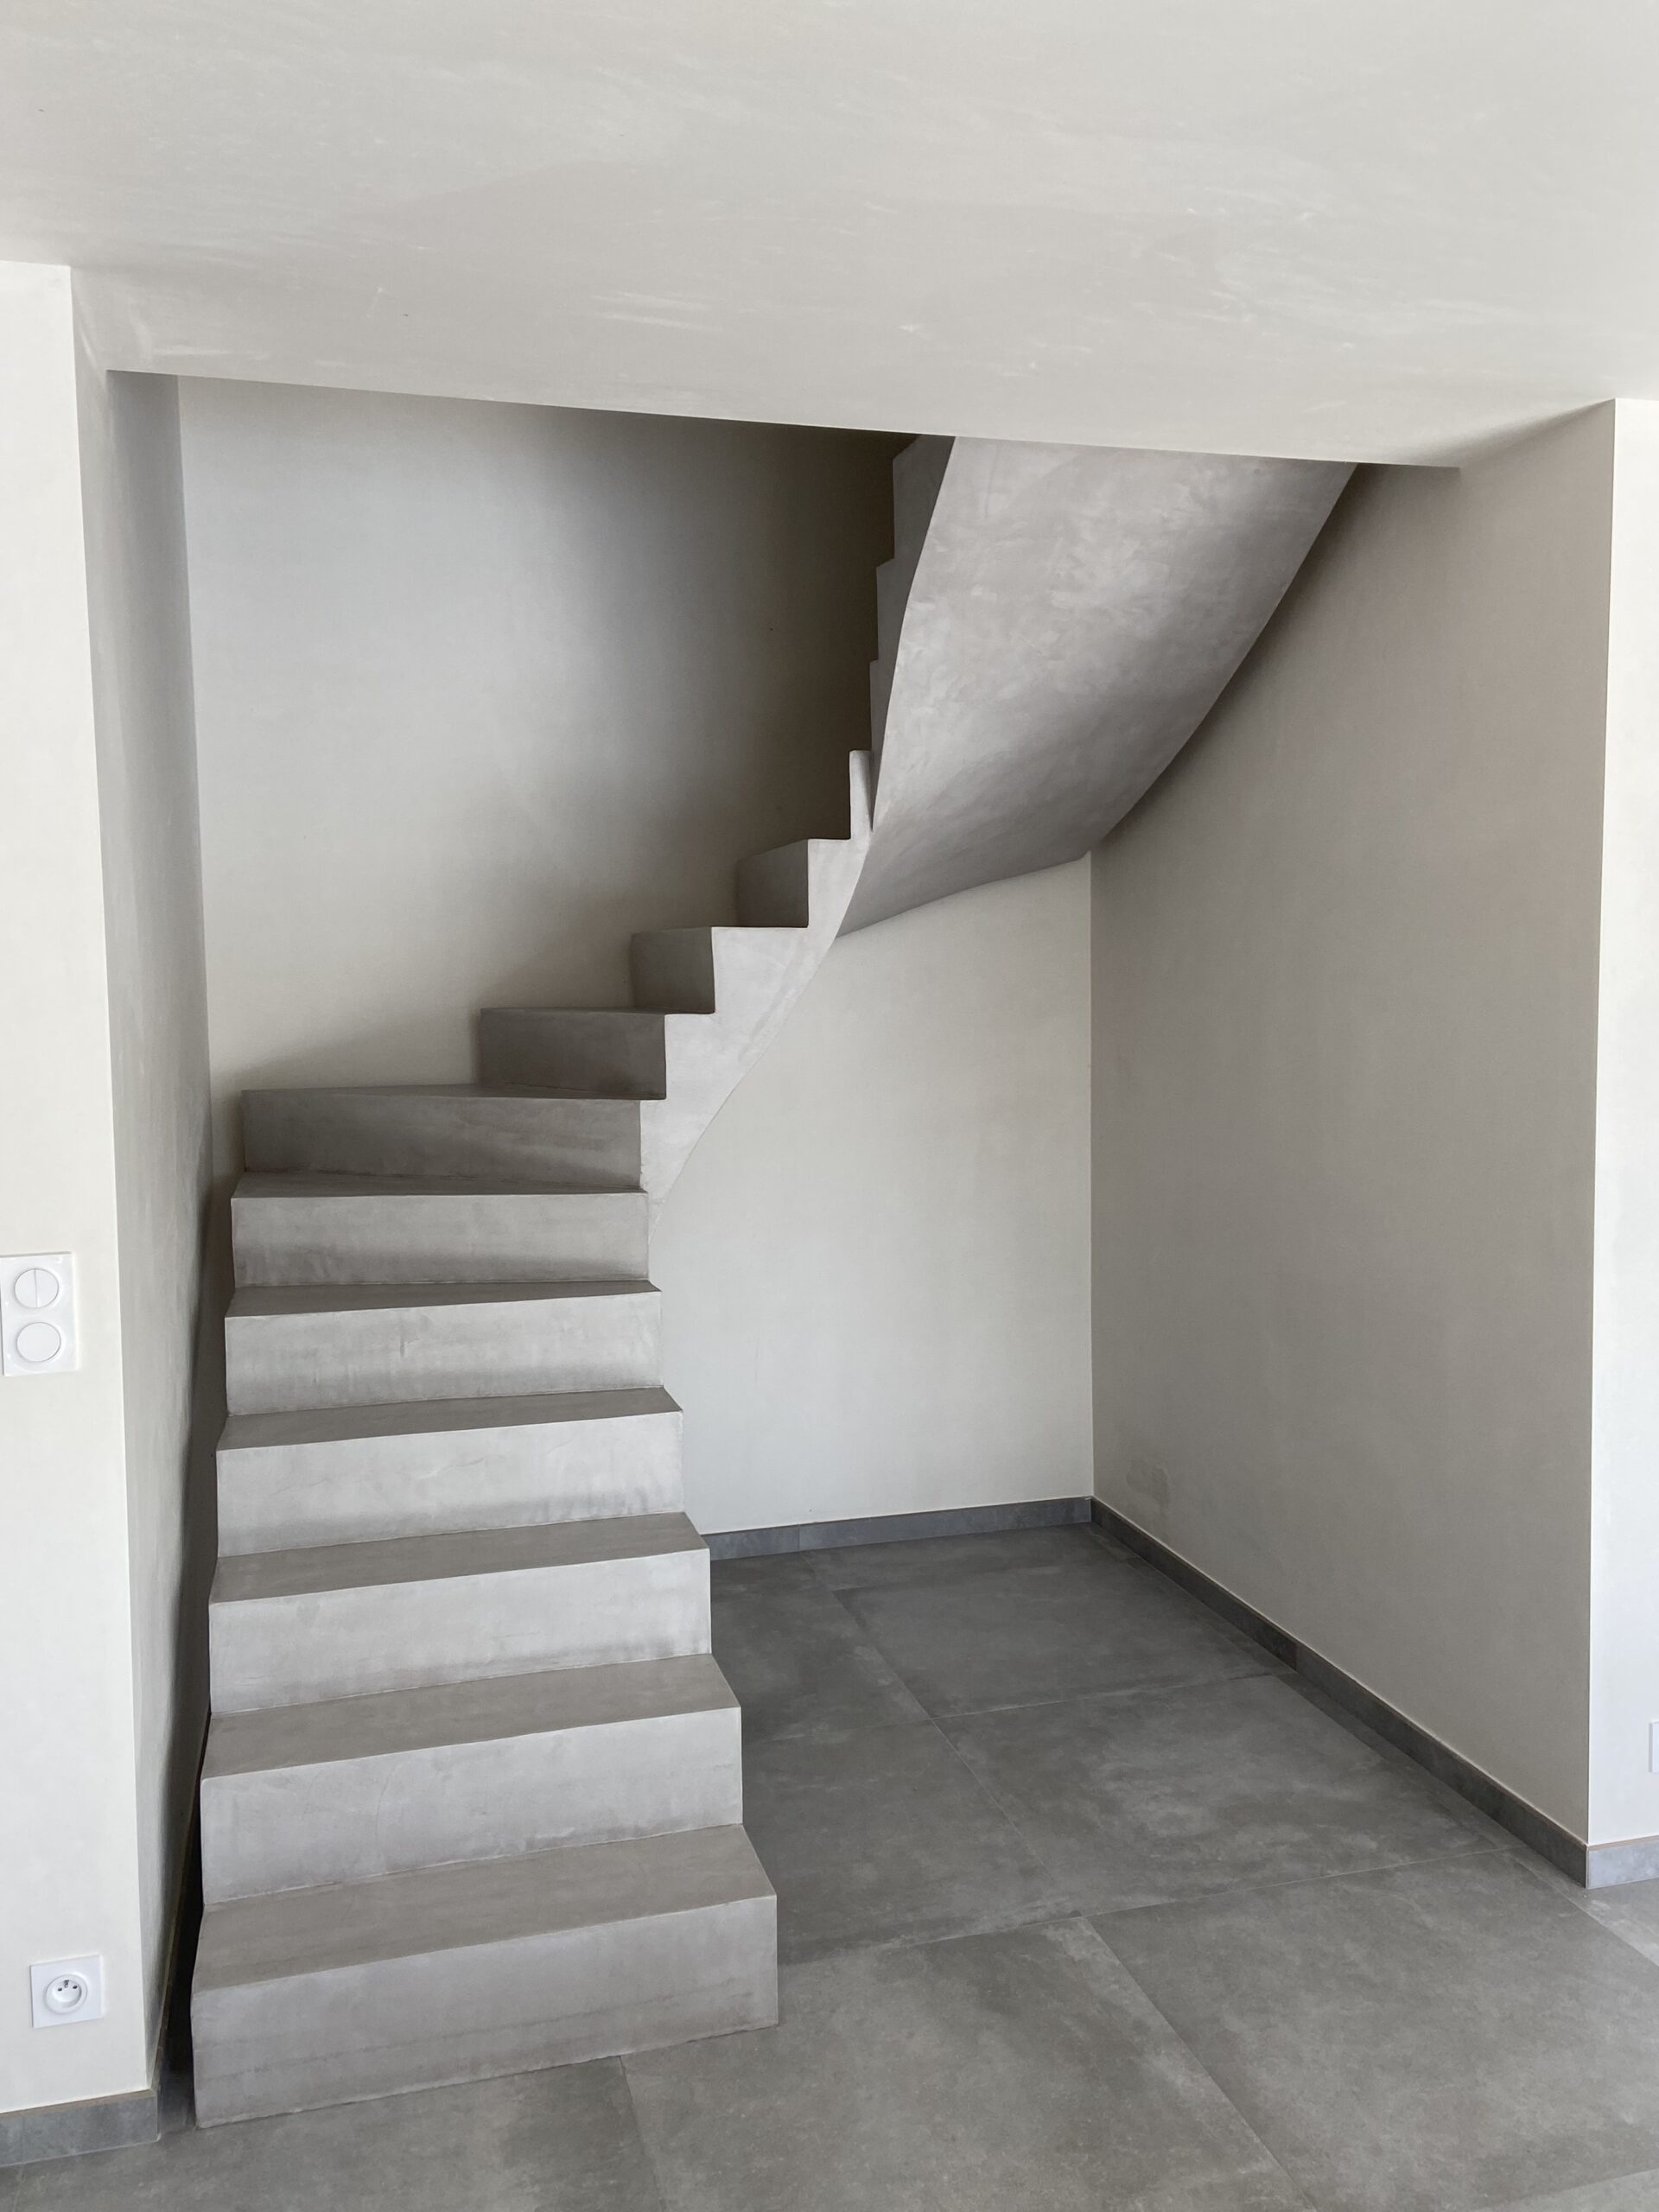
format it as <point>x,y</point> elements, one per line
<point>899,1528</point>
<point>1596,1866</point>
<point>66,2131</point>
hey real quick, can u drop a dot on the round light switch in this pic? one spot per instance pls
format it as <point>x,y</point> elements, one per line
<point>38,1342</point>
<point>36,1286</point>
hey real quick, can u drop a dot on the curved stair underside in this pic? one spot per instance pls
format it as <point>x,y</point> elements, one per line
<point>1069,619</point>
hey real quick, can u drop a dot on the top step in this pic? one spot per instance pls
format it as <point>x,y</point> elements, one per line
<point>589,1144</point>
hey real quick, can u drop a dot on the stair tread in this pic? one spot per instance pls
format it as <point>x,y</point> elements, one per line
<point>301,1185</point>
<point>461,1713</point>
<point>430,1090</point>
<point>249,1577</point>
<point>436,1416</point>
<point>263,1304</point>
<point>475,1903</point>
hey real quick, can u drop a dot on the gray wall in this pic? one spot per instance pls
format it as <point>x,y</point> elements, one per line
<point>140,632</point>
<point>1345,1003</point>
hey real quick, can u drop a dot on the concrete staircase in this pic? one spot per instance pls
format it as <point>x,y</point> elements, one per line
<point>472,1795</point>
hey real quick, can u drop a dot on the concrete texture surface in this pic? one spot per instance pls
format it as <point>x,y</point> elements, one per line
<point>444,1130</point>
<point>1074,614</point>
<point>354,1474</point>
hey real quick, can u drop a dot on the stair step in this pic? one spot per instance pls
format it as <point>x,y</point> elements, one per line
<point>444,1130</point>
<point>608,1055</point>
<point>353,1345</point>
<point>301,1795</point>
<point>364,1472</point>
<point>351,1620</point>
<point>323,1996</point>
<point>298,1229</point>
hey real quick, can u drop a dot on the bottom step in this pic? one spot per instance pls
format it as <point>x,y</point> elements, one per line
<point>321,1997</point>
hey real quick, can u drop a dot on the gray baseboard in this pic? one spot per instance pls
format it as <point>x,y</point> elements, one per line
<point>65,2131</point>
<point>899,1528</point>
<point>1597,1868</point>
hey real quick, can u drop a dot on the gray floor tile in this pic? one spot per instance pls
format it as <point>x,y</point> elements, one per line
<point>768,1576</point>
<point>1026,1636</point>
<point>1137,1801</point>
<point>800,1666</point>
<point>996,2072</point>
<point>883,1837</point>
<point>563,2141</point>
<point>862,1567</point>
<point>1423,2040</point>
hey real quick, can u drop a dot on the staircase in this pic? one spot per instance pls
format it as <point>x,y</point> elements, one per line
<point>472,1801</point>
<point>473,1795</point>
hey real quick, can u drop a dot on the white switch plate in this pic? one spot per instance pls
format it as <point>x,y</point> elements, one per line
<point>37,1313</point>
<point>51,1984</point>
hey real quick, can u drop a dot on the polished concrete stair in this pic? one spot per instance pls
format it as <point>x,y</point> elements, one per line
<point>473,1792</point>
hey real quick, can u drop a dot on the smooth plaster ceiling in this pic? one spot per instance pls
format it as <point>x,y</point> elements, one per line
<point>1273,226</point>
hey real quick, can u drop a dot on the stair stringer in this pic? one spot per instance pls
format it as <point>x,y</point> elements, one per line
<point>758,974</point>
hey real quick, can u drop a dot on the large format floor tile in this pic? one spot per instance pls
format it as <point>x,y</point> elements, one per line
<point>1633,2193</point>
<point>1027,1634</point>
<point>884,1836</point>
<point>563,2141</point>
<point>1422,2040</point>
<point>1136,1801</point>
<point>1022,2070</point>
<point>801,1666</point>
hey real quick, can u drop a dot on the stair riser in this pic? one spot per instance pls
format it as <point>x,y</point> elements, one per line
<point>397,1635</point>
<point>285,1497</point>
<point>531,1237</point>
<point>587,1143</point>
<point>289,2044</point>
<point>386,1355</point>
<point>351,1820</point>
<point>774,888</point>
<point>608,1055</point>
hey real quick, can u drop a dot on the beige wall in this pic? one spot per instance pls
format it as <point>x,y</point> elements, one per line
<point>1345,992</point>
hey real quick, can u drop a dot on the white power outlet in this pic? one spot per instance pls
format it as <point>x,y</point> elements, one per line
<point>65,1992</point>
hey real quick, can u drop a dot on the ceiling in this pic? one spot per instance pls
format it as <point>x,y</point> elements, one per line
<point>1316,227</point>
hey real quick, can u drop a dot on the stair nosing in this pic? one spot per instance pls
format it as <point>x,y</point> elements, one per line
<point>264,1183</point>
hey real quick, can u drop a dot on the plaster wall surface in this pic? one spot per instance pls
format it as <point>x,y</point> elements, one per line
<point>876,1264</point>
<point>68,1824</point>
<point>1624,1668</point>
<point>140,632</point>
<point>479,691</point>
<point>1345,967</point>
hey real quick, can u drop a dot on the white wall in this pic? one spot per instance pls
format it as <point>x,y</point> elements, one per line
<point>481,690</point>
<point>69,1877</point>
<point>1345,992</point>
<point>1625,1669</point>
<point>140,632</point>
<point>875,1266</point>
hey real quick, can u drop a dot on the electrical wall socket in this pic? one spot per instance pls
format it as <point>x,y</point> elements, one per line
<point>65,1992</point>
